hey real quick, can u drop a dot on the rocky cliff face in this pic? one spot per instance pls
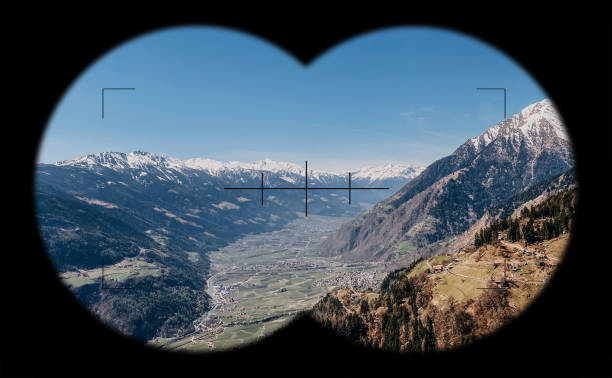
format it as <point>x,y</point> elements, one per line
<point>454,192</point>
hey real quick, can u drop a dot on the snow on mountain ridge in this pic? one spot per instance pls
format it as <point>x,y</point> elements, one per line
<point>143,160</point>
<point>386,171</point>
<point>535,124</point>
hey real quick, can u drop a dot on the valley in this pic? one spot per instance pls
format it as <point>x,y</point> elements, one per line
<point>260,281</point>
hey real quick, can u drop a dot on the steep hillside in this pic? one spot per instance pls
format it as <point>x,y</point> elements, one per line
<point>447,301</point>
<point>455,192</point>
<point>535,193</point>
<point>531,196</point>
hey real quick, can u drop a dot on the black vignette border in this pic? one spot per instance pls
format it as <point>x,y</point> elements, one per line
<point>564,334</point>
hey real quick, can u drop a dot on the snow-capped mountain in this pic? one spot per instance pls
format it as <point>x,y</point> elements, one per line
<point>387,171</point>
<point>454,192</point>
<point>151,162</point>
<point>537,124</point>
<point>164,197</point>
<point>146,168</point>
<point>266,165</point>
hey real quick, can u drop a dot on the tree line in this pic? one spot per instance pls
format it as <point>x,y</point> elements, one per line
<point>554,216</point>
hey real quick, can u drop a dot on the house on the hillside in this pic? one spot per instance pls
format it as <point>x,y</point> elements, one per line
<point>437,268</point>
<point>500,279</point>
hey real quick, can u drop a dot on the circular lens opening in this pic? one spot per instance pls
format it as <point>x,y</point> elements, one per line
<point>413,189</point>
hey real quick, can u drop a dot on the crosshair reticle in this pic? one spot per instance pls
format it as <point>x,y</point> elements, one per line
<point>305,188</point>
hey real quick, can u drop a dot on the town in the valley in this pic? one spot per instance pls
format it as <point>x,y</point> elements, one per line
<point>259,282</point>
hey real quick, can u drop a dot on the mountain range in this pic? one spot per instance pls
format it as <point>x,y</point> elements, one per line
<point>164,200</point>
<point>160,216</point>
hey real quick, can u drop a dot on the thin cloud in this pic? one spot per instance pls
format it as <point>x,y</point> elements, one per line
<point>417,115</point>
<point>372,132</point>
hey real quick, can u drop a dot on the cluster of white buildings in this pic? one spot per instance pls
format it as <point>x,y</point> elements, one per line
<point>284,265</point>
<point>354,280</point>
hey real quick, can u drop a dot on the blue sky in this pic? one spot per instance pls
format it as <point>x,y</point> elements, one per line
<point>405,95</point>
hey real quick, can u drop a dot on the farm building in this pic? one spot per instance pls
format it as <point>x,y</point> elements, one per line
<point>500,279</point>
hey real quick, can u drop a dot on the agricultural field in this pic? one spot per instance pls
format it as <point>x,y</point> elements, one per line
<point>406,247</point>
<point>556,247</point>
<point>258,283</point>
<point>526,270</point>
<point>126,268</point>
<point>418,269</point>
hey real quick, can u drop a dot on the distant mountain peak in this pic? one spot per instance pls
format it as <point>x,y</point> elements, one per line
<point>536,124</point>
